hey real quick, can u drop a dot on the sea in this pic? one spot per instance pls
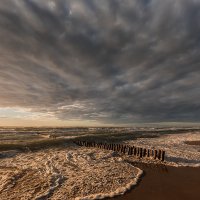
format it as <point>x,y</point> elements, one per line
<point>65,170</point>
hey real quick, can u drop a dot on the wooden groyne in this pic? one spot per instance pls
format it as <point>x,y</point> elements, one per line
<point>139,152</point>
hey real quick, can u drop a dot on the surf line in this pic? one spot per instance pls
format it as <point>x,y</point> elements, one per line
<point>126,149</point>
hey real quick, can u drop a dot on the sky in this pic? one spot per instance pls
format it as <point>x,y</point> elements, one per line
<point>99,62</point>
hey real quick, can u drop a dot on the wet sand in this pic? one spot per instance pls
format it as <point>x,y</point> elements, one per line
<point>171,183</point>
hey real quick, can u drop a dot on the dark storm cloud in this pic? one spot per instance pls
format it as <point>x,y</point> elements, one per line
<point>109,60</point>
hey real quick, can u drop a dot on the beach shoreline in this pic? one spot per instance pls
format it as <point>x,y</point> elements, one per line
<point>58,168</point>
<point>165,182</point>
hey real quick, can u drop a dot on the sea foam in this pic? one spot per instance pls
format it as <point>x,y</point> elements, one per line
<point>73,172</point>
<point>178,153</point>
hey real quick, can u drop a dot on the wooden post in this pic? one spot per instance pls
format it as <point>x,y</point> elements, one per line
<point>155,154</point>
<point>112,147</point>
<point>105,146</point>
<point>118,147</point>
<point>130,150</point>
<point>144,152</point>
<point>124,149</point>
<point>148,153</point>
<point>138,151</point>
<point>152,153</point>
<point>159,154</point>
<point>141,152</point>
<point>135,151</point>
<point>162,155</point>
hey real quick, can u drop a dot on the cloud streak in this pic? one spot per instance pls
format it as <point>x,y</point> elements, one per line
<point>111,61</point>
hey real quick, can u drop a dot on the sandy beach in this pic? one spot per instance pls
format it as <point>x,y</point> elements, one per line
<point>160,183</point>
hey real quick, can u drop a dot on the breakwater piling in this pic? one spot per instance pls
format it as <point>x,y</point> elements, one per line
<point>139,152</point>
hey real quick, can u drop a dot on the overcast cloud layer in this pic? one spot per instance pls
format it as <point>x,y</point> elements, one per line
<point>114,61</point>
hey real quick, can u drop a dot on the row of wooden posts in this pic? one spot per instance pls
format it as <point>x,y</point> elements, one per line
<point>126,149</point>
